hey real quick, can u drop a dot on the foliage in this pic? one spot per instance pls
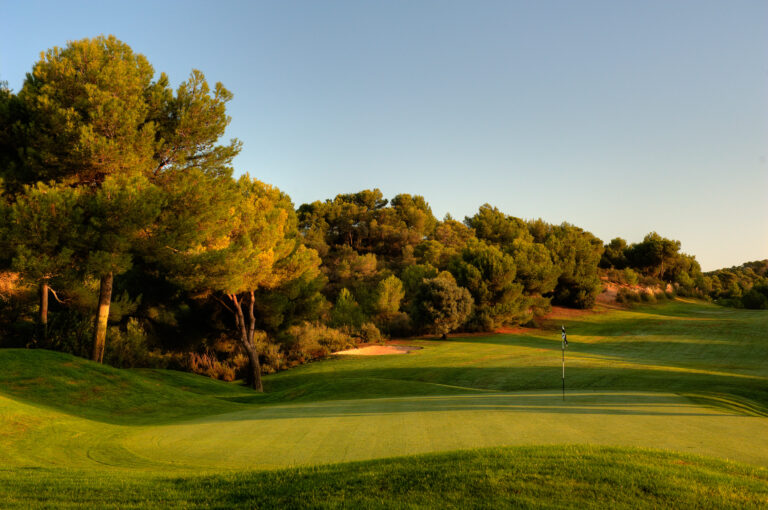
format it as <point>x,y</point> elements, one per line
<point>346,311</point>
<point>441,305</point>
<point>577,253</point>
<point>127,348</point>
<point>489,276</point>
<point>311,340</point>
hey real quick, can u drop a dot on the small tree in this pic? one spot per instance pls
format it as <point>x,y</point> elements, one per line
<point>42,226</point>
<point>389,293</point>
<point>346,311</point>
<point>259,249</point>
<point>442,306</point>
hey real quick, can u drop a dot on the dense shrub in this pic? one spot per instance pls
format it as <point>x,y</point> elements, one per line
<point>396,325</point>
<point>207,364</point>
<point>310,340</point>
<point>369,333</point>
<point>127,349</point>
<point>71,331</point>
<point>629,276</point>
<point>756,298</point>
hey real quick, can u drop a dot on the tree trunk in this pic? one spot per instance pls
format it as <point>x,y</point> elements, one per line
<point>102,316</point>
<point>254,367</point>
<point>445,336</point>
<point>44,312</point>
<point>246,338</point>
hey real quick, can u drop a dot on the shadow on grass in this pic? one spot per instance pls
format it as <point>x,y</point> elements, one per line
<point>592,403</point>
<point>360,384</point>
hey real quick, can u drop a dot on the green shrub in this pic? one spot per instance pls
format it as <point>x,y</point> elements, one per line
<point>71,331</point>
<point>647,297</point>
<point>271,357</point>
<point>369,333</point>
<point>755,299</point>
<point>396,325</point>
<point>310,340</point>
<point>127,349</point>
<point>625,295</point>
<point>629,276</point>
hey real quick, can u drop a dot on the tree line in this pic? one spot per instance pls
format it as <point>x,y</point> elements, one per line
<point>123,227</point>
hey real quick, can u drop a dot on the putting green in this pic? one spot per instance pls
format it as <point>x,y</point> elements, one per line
<point>278,436</point>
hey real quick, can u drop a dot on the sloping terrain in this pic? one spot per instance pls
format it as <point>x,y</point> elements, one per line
<point>688,378</point>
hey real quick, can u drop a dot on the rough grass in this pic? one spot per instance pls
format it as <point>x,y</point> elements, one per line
<point>689,378</point>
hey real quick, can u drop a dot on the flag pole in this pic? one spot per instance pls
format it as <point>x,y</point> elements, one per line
<point>564,344</point>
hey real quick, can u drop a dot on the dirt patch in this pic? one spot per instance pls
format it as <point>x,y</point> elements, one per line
<point>513,330</point>
<point>379,350</point>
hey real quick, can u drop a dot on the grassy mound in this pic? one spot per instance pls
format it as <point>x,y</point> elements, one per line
<point>540,477</point>
<point>99,392</point>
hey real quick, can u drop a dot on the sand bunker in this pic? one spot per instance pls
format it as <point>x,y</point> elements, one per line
<point>378,350</point>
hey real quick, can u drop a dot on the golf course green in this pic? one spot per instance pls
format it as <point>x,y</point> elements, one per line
<point>665,406</point>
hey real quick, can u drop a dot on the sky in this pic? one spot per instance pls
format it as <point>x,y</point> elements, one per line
<point>621,117</point>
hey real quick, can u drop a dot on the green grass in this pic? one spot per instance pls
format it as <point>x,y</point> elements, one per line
<point>543,477</point>
<point>684,379</point>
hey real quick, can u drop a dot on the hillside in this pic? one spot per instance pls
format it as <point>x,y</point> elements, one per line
<point>687,378</point>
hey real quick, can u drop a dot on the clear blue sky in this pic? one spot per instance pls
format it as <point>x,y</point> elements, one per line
<point>619,116</point>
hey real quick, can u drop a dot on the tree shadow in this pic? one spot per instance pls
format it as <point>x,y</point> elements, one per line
<point>581,403</point>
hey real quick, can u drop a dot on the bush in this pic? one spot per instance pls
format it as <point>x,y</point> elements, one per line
<point>629,276</point>
<point>271,358</point>
<point>648,297</point>
<point>755,299</point>
<point>369,333</point>
<point>127,349</point>
<point>625,295</point>
<point>397,325</point>
<point>311,340</point>
<point>207,364</point>
<point>71,331</point>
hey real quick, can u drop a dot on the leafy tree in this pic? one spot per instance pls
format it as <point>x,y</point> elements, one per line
<point>452,234</point>
<point>94,113</point>
<point>412,276</point>
<point>489,275</point>
<point>118,216</point>
<point>42,226</point>
<point>577,254</point>
<point>442,306</point>
<point>536,271</point>
<point>389,294</point>
<point>363,222</point>
<point>614,255</point>
<point>493,226</point>
<point>346,311</point>
<point>261,251</point>
<point>653,254</point>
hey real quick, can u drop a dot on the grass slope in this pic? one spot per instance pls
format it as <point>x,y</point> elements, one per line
<point>685,377</point>
<point>542,477</point>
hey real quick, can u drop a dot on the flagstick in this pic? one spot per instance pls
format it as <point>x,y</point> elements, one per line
<point>564,343</point>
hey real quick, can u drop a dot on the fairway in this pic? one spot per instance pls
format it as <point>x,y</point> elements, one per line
<point>685,378</point>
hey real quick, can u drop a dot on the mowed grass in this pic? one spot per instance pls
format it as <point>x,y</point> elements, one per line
<point>682,378</point>
<point>523,477</point>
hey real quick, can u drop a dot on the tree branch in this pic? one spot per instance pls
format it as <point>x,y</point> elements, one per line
<point>56,296</point>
